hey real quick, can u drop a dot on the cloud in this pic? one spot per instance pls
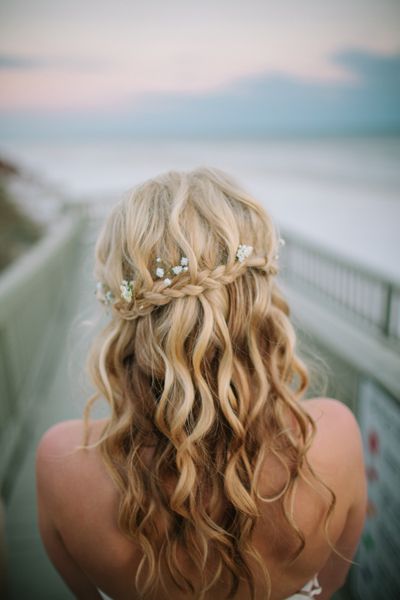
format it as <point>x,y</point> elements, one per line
<point>18,62</point>
<point>281,104</point>
<point>371,68</point>
<point>269,104</point>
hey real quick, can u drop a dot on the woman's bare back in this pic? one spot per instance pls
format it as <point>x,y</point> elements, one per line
<point>78,510</point>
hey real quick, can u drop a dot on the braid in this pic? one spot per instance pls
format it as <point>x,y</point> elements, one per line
<point>145,301</point>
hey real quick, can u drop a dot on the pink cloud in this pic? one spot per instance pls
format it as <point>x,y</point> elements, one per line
<point>58,90</point>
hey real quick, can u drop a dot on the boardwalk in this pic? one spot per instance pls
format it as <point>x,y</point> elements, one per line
<point>30,573</point>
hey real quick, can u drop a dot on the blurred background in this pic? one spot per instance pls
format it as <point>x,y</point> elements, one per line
<point>299,101</point>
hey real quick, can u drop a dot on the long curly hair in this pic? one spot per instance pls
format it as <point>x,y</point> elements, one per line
<point>203,369</point>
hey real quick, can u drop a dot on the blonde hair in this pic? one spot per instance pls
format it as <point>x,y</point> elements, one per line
<point>205,371</point>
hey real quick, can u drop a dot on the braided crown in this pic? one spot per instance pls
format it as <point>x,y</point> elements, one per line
<point>133,305</point>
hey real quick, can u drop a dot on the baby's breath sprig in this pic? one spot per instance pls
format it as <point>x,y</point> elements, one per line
<point>243,252</point>
<point>281,242</point>
<point>126,288</point>
<point>104,294</point>
<point>168,273</point>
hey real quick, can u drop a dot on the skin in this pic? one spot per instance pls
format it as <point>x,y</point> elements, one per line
<point>78,507</point>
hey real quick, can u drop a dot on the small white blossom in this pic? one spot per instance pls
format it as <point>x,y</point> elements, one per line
<point>103,293</point>
<point>126,288</point>
<point>109,297</point>
<point>282,241</point>
<point>168,273</point>
<point>243,252</point>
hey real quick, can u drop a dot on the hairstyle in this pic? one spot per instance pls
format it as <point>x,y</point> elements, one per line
<point>204,371</point>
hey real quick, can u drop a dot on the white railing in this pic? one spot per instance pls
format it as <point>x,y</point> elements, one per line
<point>36,293</point>
<point>360,294</point>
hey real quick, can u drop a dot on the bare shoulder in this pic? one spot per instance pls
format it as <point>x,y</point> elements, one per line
<point>59,438</point>
<point>60,456</point>
<point>337,449</point>
<point>335,410</point>
<point>66,436</point>
<point>334,419</point>
<point>337,456</point>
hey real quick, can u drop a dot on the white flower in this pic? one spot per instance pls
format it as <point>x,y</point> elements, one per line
<point>167,281</point>
<point>103,293</point>
<point>160,272</point>
<point>158,259</point>
<point>243,252</point>
<point>281,242</point>
<point>126,288</point>
<point>109,297</point>
<point>176,270</point>
<point>184,261</point>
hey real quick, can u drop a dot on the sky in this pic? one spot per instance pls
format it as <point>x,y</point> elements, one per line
<point>223,66</point>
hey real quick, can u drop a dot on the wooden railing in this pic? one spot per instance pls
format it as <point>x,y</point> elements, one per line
<point>36,293</point>
<point>360,294</point>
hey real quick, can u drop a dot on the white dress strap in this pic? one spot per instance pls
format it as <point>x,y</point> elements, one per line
<point>309,590</point>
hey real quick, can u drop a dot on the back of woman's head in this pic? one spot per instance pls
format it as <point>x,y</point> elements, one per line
<point>198,362</point>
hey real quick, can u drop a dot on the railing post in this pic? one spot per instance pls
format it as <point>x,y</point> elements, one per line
<point>386,317</point>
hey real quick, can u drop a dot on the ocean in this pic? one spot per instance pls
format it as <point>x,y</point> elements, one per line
<point>341,192</point>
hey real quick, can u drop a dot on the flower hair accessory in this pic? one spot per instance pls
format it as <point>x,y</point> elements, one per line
<point>243,252</point>
<point>104,294</point>
<point>167,274</point>
<point>281,242</point>
<point>162,271</point>
<point>126,288</point>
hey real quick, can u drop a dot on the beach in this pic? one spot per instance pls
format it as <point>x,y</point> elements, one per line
<point>341,192</point>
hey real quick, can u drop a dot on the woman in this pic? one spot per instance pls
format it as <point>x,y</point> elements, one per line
<point>212,478</point>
